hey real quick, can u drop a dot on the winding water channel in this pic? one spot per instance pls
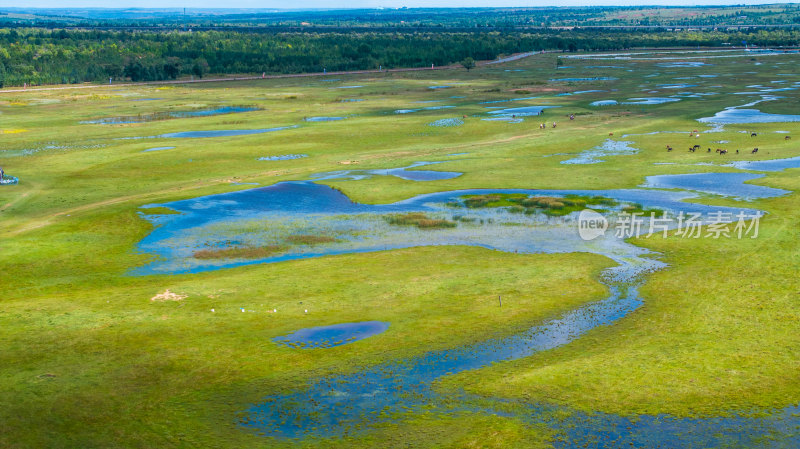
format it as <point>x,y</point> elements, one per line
<point>340,405</point>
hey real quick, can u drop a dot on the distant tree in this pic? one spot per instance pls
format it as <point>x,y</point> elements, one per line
<point>134,70</point>
<point>172,67</point>
<point>200,67</point>
<point>2,74</point>
<point>468,63</point>
<point>364,50</point>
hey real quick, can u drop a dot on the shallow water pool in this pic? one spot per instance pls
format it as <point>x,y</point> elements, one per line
<point>332,335</point>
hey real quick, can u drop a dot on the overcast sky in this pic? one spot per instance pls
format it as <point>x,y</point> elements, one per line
<point>341,4</point>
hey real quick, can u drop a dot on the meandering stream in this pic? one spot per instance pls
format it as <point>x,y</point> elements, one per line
<point>339,405</point>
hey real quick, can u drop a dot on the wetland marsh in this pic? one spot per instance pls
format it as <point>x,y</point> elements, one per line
<point>278,276</point>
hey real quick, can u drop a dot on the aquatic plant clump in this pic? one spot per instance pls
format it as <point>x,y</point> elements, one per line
<point>419,220</point>
<point>303,239</point>
<point>638,209</point>
<point>239,252</point>
<point>549,205</point>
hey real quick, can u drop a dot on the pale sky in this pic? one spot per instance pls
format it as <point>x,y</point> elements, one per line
<point>340,4</point>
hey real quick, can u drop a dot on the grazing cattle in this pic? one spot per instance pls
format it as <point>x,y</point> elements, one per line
<point>696,147</point>
<point>669,148</point>
<point>709,150</point>
<point>755,150</point>
<point>787,137</point>
<point>691,149</point>
<point>610,134</point>
<point>753,134</point>
<point>554,124</point>
<point>721,152</point>
<point>737,151</point>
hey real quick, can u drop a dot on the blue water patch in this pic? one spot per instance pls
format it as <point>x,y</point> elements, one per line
<point>351,100</point>
<point>9,180</point>
<point>604,103</point>
<point>215,133</point>
<point>333,335</point>
<point>651,100</point>
<point>742,116</point>
<point>508,119</point>
<point>675,86</point>
<point>447,123</point>
<point>349,87</point>
<point>608,148</point>
<point>323,119</point>
<point>768,165</point>
<point>682,64</point>
<point>725,184</point>
<point>428,108</point>
<point>507,100</point>
<point>157,149</point>
<point>439,87</point>
<point>526,111</point>
<point>283,157</point>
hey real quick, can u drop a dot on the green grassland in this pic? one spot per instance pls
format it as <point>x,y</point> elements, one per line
<point>89,360</point>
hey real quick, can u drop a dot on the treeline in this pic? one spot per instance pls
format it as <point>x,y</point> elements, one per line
<point>38,56</point>
<point>447,18</point>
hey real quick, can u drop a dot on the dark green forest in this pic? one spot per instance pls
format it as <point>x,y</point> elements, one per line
<point>40,55</point>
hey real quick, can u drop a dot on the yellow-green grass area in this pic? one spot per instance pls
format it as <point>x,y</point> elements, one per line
<point>717,333</point>
<point>89,360</point>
